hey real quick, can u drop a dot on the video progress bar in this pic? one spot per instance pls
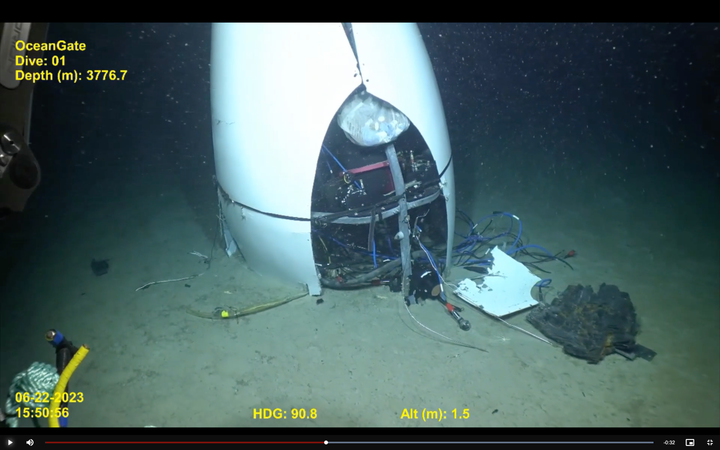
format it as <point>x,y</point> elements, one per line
<point>357,442</point>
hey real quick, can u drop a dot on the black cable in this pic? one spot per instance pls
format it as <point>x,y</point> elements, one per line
<point>363,279</point>
<point>371,233</point>
<point>212,250</point>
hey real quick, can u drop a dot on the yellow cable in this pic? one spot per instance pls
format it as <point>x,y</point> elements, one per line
<point>228,312</point>
<point>62,384</point>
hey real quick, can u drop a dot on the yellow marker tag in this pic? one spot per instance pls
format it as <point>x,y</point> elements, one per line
<point>224,314</point>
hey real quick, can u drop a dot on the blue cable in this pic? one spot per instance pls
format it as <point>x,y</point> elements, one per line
<point>325,149</point>
<point>464,248</point>
<point>479,263</point>
<point>545,282</point>
<point>519,233</point>
<point>432,263</point>
<point>511,216</point>
<point>339,164</point>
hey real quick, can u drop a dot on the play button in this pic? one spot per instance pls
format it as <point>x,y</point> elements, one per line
<point>9,442</point>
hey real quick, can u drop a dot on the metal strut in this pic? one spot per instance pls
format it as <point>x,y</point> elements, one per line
<point>403,218</point>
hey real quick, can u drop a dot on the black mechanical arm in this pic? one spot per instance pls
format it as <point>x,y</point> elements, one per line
<point>19,170</point>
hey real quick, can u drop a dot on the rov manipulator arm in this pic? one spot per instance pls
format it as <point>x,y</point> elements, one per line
<point>19,170</point>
